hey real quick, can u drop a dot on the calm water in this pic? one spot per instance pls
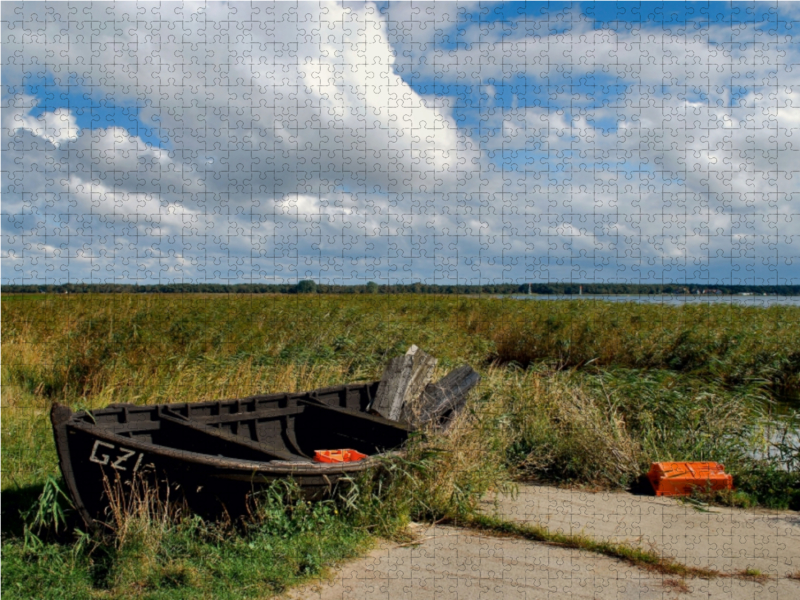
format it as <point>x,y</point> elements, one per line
<point>759,301</point>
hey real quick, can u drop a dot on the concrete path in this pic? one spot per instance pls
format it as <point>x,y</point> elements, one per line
<point>725,539</point>
<point>453,563</point>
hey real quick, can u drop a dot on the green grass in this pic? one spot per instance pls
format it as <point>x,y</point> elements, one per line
<point>106,336</point>
<point>573,393</point>
<point>730,344</point>
<point>633,555</point>
<point>753,575</point>
<point>287,541</point>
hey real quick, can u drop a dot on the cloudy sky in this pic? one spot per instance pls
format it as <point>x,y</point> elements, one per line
<point>456,142</point>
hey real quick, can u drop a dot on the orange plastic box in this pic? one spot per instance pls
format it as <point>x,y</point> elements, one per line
<point>680,478</point>
<point>338,456</point>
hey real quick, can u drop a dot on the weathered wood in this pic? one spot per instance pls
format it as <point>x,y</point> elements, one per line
<point>392,387</point>
<point>366,419</point>
<point>403,381</point>
<point>201,435</point>
<point>421,375</point>
<point>441,401</point>
<point>447,419</point>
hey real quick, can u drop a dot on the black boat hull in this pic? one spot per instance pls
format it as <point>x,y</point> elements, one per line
<point>212,455</point>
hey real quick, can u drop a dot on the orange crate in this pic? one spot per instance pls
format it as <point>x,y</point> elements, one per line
<point>680,478</point>
<point>338,456</point>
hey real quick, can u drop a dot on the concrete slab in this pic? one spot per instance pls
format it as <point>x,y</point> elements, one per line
<point>725,539</point>
<point>452,563</point>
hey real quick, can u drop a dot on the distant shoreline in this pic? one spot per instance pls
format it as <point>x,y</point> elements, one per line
<point>676,290</point>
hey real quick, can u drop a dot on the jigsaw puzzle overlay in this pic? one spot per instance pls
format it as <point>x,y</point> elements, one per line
<point>448,143</point>
<point>440,143</point>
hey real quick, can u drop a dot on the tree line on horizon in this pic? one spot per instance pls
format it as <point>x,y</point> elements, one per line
<point>308,286</point>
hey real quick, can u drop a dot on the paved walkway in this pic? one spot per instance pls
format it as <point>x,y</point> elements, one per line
<point>453,563</point>
<point>725,539</point>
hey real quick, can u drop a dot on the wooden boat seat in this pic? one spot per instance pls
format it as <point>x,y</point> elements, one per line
<point>375,419</point>
<point>199,433</point>
<point>194,434</point>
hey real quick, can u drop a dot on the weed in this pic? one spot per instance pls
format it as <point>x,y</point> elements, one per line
<point>702,499</point>
<point>753,575</point>
<point>151,547</point>
<point>630,554</point>
<point>49,512</point>
<point>679,585</point>
<point>768,485</point>
<point>734,344</point>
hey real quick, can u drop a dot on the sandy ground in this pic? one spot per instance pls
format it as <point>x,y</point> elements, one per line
<point>449,562</point>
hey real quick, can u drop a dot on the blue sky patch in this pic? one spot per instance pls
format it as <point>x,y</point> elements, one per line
<point>90,110</point>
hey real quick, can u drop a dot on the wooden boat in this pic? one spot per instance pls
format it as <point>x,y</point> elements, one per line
<point>215,453</point>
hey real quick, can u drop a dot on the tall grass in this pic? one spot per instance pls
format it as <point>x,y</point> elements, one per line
<point>572,392</point>
<point>732,344</point>
<point>84,345</point>
<point>604,429</point>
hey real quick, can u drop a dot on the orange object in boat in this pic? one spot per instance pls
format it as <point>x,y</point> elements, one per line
<point>681,478</point>
<point>338,456</point>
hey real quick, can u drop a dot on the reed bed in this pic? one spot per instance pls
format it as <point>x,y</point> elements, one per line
<point>84,345</point>
<point>573,393</point>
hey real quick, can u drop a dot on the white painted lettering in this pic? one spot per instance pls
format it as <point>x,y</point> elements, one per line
<point>138,462</point>
<point>126,454</point>
<point>103,458</point>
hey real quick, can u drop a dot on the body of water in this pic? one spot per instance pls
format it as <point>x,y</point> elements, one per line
<point>705,299</point>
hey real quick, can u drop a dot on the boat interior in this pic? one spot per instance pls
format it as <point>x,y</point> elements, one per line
<point>278,427</point>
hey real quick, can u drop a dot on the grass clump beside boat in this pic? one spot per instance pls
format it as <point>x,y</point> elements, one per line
<point>582,393</point>
<point>152,549</point>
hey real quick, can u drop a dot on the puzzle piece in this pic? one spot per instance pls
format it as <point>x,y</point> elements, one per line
<point>423,143</point>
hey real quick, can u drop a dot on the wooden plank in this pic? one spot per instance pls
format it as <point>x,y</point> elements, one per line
<point>261,414</point>
<point>354,414</point>
<point>391,389</point>
<point>421,375</point>
<point>403,381</point>
<point>215,441</point>
<point>441,401</point>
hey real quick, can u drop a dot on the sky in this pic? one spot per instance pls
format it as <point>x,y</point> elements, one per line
<point>449,143</point>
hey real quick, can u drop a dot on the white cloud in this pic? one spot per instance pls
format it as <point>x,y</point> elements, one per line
<point>56,127</point>
<point>296,144</point>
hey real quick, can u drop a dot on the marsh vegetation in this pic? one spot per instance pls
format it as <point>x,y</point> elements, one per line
<point>573,393</point>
